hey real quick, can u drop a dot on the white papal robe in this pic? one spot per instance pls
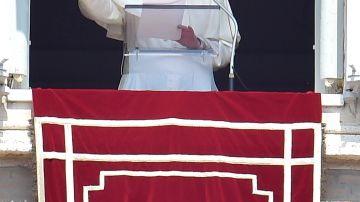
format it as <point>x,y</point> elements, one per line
<point>189,73</point>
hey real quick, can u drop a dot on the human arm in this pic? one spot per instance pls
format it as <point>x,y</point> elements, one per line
<point>213,31</point>
<point>223,48</point>
<point>229,36</point>
<point>107,13</point>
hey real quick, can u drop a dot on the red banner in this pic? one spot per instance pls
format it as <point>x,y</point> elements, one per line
<point>139,146</point>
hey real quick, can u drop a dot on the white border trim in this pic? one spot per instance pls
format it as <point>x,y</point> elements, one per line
<point>104,174</point>
<point>69,164</point>
<point>287,165</point>
<point>147,158</point>
<point>317,163</point>
<point>176,122</point>
<point>39,159</point>
<point>69,156</point>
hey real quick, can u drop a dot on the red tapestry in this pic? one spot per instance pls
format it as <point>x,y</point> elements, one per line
<point>142,146</point>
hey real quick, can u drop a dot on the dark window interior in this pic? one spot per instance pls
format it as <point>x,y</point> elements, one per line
<point>275,54</point>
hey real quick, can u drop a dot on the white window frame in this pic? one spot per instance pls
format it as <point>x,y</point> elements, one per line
<point>330,43</point>
<point>15,41</point>
<point>352,46</point>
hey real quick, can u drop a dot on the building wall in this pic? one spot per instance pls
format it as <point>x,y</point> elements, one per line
<point>17,165</point>
<point>341,151</point>
<point>17,179</point>
<point>342,183</point>
<point>341,159</point>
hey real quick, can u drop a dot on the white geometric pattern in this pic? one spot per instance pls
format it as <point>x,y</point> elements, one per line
<point>70,157</point>
<point>104,174</point>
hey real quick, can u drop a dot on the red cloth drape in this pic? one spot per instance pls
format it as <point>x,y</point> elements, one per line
<point>172,139</point>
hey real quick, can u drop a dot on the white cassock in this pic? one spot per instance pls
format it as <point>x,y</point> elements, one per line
<point>159,72</point>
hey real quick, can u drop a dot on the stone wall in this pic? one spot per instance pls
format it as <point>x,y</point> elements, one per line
<point>17,179</point>
<point>342,183</point>
<point>17,173</point>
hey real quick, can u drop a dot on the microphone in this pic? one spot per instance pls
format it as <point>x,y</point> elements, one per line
<point>231,71</point>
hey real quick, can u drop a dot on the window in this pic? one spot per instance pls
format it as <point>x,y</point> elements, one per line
<point>275,54</point>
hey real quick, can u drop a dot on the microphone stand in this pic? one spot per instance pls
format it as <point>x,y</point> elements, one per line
<point>231,71</point>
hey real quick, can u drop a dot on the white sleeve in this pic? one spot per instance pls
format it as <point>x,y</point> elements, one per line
<point>223,45</point>
<point>223,49</point>
<point>107,13</point>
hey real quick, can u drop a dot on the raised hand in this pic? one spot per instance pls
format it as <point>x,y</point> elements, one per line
<point>188,37</point>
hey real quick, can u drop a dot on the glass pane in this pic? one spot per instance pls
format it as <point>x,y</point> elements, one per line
<point>154,28</point>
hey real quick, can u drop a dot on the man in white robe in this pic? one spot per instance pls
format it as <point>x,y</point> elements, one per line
<point>166,72</point>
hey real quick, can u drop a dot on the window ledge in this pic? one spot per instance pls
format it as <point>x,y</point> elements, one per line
<point>19,95</point>
<point>332,100</point>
